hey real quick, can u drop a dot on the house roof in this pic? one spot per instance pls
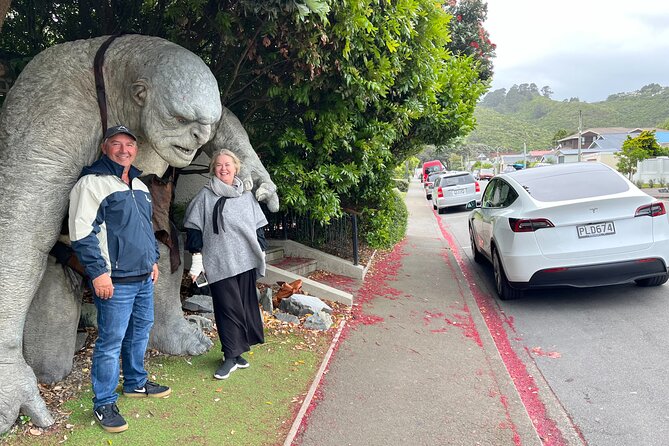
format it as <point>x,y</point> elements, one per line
<point>536,153</point>
<point>662,136</point>
<point>609,130</point>
<point>611,142</point>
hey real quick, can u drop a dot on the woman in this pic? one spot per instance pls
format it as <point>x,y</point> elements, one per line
<point>224,235</point>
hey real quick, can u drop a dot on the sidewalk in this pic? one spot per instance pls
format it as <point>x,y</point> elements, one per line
<point>417,365</point>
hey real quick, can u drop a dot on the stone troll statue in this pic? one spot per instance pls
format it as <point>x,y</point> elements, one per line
<point>50,128</point>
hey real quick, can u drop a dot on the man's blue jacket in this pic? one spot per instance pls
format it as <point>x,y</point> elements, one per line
<point>110,222</point>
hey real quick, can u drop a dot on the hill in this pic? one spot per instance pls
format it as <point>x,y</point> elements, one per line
<point>506,120</point>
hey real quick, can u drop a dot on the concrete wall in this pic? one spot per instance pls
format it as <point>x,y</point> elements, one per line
<point>656,169</point>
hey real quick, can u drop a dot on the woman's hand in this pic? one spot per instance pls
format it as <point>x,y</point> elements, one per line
<point>196,266</point>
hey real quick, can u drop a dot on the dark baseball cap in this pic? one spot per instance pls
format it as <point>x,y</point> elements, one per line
<point>111,131</point>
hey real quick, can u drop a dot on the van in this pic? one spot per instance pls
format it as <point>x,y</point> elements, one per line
<point>430,167</point>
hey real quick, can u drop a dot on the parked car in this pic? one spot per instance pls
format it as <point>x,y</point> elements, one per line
<point>429,183</point>
<point>431,167</point>
<point>454,189</point>
<point>484,174</point>
<point>576,224</point>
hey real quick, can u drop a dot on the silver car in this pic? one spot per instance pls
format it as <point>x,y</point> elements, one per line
<point>454,189</point>
<point>429,184</point>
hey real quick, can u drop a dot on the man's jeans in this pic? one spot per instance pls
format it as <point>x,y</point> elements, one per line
<point>124,323</point>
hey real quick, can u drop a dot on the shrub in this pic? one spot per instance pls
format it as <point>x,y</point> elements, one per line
<point>651,183</point>
<point>639,184</point>
<point>401,184</point>
<point>384,227</point>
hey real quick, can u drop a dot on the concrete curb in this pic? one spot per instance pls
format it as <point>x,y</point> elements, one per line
<point>314,386</point>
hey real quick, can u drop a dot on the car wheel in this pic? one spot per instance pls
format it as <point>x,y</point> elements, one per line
<point>478,257</point>
<point>504,290</point>
<point>441,210</point>
<point>434,206</point>
<point>428,197</point>
<point>652,281</point>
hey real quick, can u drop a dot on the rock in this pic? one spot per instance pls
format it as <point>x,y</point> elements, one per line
<point>204,323</point>
<point>82,336</point>
<point>89,315</point>
<point>199,304</point>
<point>285,317</point>
<point>300,305</point>
<point>319,321</point>
<point>265,300</point>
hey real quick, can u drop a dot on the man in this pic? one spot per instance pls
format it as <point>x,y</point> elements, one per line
<point>112,235</point>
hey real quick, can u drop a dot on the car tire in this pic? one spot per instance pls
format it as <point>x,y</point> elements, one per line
<point>441,210</point>
<point>652,281</point>
<point>434,206</point>
<point>504,290</point>
<point>428,197</point>
<point>478,257</point>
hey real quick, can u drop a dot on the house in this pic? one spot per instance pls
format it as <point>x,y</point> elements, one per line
<point>600,144</point>
<point>588,136</point>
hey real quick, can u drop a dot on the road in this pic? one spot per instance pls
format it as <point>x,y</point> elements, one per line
<point>603,352</point>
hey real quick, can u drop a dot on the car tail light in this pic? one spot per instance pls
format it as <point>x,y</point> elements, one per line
<point>529,225</point>
<point>478,186</point>
<point>440,193</point>
<point>652,210</point>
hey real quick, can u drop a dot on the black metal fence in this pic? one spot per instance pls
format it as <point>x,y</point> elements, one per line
<point>339,237</point>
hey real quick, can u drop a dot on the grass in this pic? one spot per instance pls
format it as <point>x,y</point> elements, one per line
<point>255,406</point>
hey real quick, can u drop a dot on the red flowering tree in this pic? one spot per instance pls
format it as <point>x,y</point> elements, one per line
<point>468,35</point>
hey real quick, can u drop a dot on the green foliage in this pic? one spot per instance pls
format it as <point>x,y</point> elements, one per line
<point>506,124</point>
<point>469,37</point>
<point>637,149</point>
<point>401,184</point>
<point>386,224</point>
<point>332,94</point>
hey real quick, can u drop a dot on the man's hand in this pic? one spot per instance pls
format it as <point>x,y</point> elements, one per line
<point>155,273</point>
<point>103,286</point>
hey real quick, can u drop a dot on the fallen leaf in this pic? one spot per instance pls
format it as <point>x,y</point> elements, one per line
<point>36,432</point>
<point>269,402</point>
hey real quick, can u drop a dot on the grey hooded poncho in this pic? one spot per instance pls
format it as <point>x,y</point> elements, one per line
<point>235,248</point>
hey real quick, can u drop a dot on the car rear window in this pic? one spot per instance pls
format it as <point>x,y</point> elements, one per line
<point>456,180</point>
<point>433,176</point>
<point>573,185</point>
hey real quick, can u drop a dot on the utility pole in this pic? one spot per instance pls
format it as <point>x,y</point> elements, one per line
<point>524,156</point>
<point>580,129</point>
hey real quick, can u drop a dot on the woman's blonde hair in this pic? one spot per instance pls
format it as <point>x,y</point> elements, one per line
<point>235,160</point>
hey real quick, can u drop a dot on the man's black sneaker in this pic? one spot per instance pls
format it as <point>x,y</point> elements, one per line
<point>228,366</point>
<point>110,419</point>
<point>242,363</point>
<point>154,390</point>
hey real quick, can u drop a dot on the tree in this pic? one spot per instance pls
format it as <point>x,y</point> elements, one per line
<point>332,94</point>
<point>469,37</point>
<point>546,91</point>
<point>560,134</point>
<point>637,149</point>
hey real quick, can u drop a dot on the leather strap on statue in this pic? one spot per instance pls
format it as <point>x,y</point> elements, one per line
<point>162,193</point>
<point>98,62</point>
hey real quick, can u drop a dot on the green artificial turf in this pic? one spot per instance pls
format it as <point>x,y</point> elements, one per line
<point>254,406</point>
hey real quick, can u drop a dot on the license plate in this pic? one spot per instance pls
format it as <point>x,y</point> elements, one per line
<point>596,229</point>
<point>459,191</point>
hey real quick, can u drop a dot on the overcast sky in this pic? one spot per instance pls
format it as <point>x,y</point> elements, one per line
<point>580,48</point>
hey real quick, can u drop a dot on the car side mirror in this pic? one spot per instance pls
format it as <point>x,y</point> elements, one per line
<point>473,205</point>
